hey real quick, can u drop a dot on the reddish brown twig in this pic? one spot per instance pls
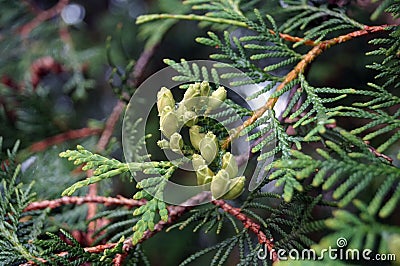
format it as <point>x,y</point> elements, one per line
<point>174,213</point>
<point>140,66</point>
<point>101,145</point>
<point>119,259</point>
<point>300,68</point>
<point>378,154</point>
<point>291,38</point>
<point>43,16</point>
<point>110,125</point>
<point>107,201</point>
<point>250,224</point>
<point>91,212</point>
<point>63,137</point>
<point>95,249</point>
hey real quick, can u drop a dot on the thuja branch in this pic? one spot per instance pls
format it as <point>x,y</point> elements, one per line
<point>174,213</point>
<point>109,129</point>
<point>148,18</point>
<point>299,69</point>
<point>95,249</point>
<point>250,224</point>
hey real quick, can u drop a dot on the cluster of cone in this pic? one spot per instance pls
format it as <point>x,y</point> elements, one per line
<point>197,99</point>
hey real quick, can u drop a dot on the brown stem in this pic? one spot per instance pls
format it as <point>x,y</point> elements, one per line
<point>119,259</point>
<point>140,66</point>
<point>63,137</point>
<point>107,201</point>
<point>43,16</point>
<point>298,69</point>
<point>95,249</point>
<point>291,38</point>
<point>250,224</point>
<point>101,145</point>
<point>378,154</point>
<point>109,129</point>
<point>174,213</point>
<point>110,125</point>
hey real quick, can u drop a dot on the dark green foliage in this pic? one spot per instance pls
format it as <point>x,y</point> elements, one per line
<point>317,23</point>
<point>121,226</point>
<point>192,73</point>
<point>18,228</point>
<point>349,173</point>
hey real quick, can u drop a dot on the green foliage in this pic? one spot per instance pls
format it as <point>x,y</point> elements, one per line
<point>208,218</point>
<point>344,164</point>
<point>304,17</point>
<point>314,106</point>
<point>18,228</point>
<point>13,244</point>
<point>328,172</point>
<point>347,173</point>
<point>245,51</point>
<point>223,249</point>
<point>121,225</point>
<point>192,73</point>
<point>103,167</point>
<point>73,254</point>
<point>146,221</point>
<point>390,6</point>
<point>150,186</point>
<point>289,223</point>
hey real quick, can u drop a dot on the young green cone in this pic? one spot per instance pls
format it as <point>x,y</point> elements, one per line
<point>209,147</point>
<point>229,164</point>
<point>197,161</point>
<point>169,123</point>
<point>176,142</point>
<point>204,88</point>
<point>203,173</point>
<point>195,136</point>
<point>192,91</point>
<point>216,98</point>
<point>191,98</point>
<point>220,184</point>
<point>235,189</point>
<point>190,118</point>
<point>164,99</point>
